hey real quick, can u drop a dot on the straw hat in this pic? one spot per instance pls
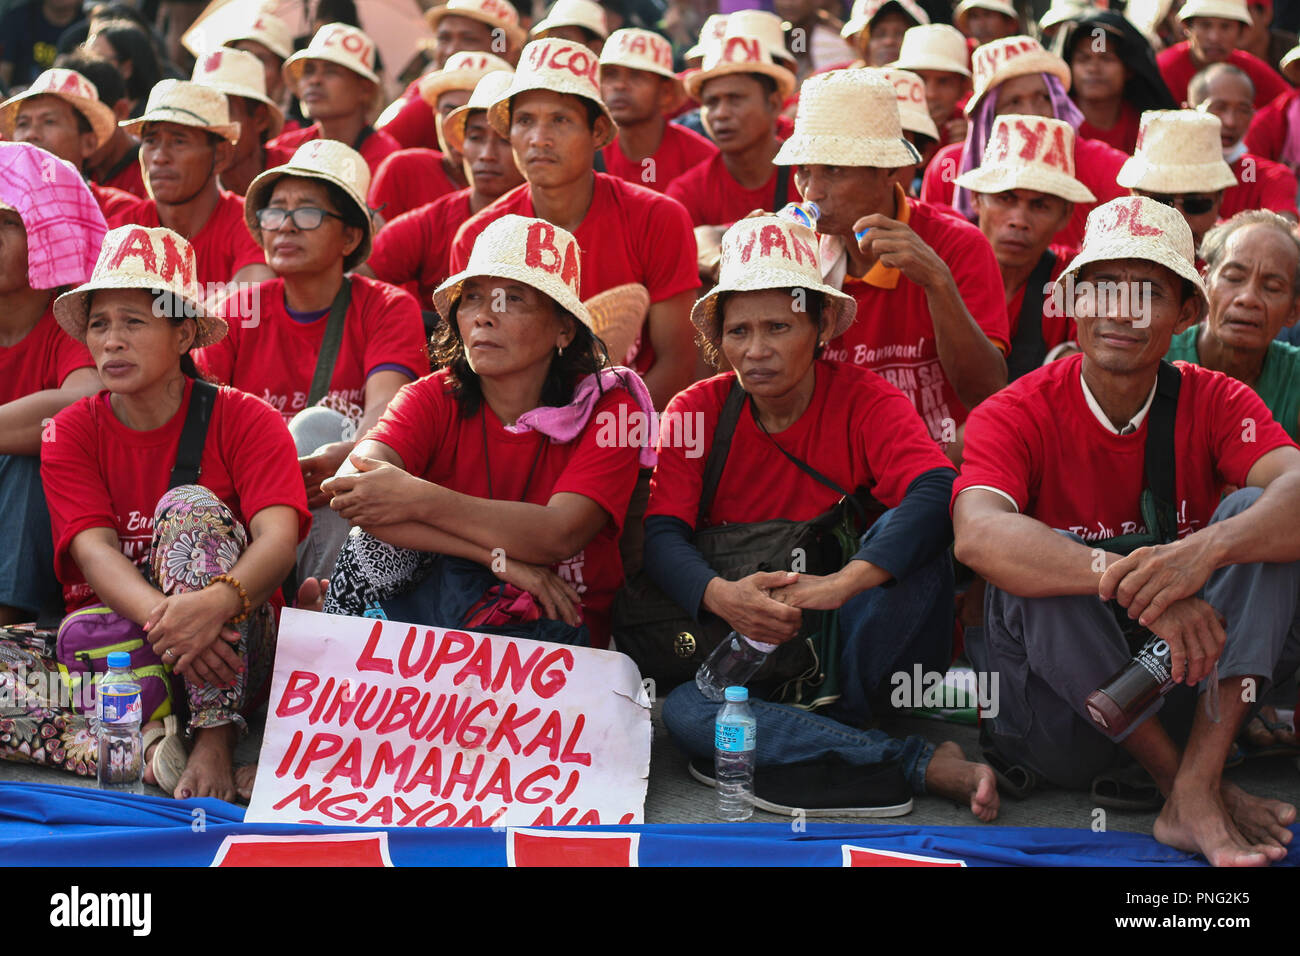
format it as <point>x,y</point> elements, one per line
<point>1028,152</point>
<point>267,29</point>
<point>186,103</point>
<point>617,316</point>
<point>495,13</point>
<point>237,73</point>
<point>964,8</point>
<point>771,252</point>
<point>1146,16</point>
<point>1138,227</point>
<point>711,34</point>
<point>60,215</point>
<point>573,13</point>
<point>1292,56</point>
<point>1000,60</point>
<point>913,114</point>
<point>1178,151</point>
<point>1062,11</point>
<point>532,251</point>
<point>489,90</point>
<point>240,20</point>
<point>642,50</point>
<point>329,161</point>
<point>462,71</point>
<point>768,27</point>
<point>933,46</point>
<point>559,66</point>
<point>74,89</point>
<point>135,257</point>
<point>335,43</point>
<point>740,51</point>
<point>848,118</point>
<point>1222,9</point>
<point>864,11</point>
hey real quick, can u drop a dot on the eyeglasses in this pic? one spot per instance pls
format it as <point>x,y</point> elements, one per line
<point>1192,205</point>
<point>304,217</point>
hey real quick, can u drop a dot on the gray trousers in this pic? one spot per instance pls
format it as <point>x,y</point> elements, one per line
<point>1051,653</point>
<point>312,428</point>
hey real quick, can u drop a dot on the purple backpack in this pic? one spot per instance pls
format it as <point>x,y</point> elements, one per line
<point>86,637</point>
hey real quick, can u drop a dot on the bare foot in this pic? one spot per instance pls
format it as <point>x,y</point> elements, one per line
<point>244,777</point>
<point>311,594</point>
<point>148,754</point>
<point>1259,819</point>
<point>951,775</point>
<point>1195,820</point>
<point>210,771</point>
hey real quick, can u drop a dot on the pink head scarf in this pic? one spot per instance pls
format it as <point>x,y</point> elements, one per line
<point>63,222</point>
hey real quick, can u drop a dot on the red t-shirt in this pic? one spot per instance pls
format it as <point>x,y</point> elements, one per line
<point>102,474</point>
<point>630,234</point>
<point>1039,442</point>
<point>680,150</point>
<point>111,201</point>
<point>414,250</point>
<point>713,198</point>
<point>276,359</point>
<point>424,426</point>
<point>374,148</point>
<point>858,431</point>
<point>222,247</point>
<point>1267,133</point>
<point>1095,164</point>
<point>413,126</point>
<point>1270,185</point>
<point>893,333</point>
<point>1056,328</point>
<point>1177,69</point>
<point>409,179</point>
<point>1122,136</point>
<point>40,360</point>
<point>130,178</point>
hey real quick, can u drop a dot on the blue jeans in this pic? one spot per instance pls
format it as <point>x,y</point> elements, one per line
<point>885,630</point>
<point>27,580</point>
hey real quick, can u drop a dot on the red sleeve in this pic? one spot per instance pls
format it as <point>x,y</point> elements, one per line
<point>413,125</point>
<point>416,422</point>
<point>1175,65</point>
<point>395,331</point>
<point>466,235</point>
<point>686,191</point>
<point>603,471</point>
<point>936,184</point>
<point>1230,406</point>
<point>262,458</point>
<point>1268,84</point>
<point>895,444</point>
<point>1268,130</point>
<point>997,449</point>
<point>975,270</point>
<point>245,250</point>
<point>402,181</point>
<point>126,213</point>
<point>1277,189</point>
<point>400,248</point>
<point>74,488</point>
<point>217,361</point>
<point>678,480</point>
<point>69,355</point>
<point>668,248</point>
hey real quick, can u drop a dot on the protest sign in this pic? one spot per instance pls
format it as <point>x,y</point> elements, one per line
<point>377,723</point>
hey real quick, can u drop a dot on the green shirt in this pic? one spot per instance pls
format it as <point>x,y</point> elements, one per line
<point>1279,380</point>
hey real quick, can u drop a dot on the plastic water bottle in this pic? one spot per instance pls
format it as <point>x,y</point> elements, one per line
<point>121,754</point>
<point>732,663</point>
<point>734,735</point>
<point>804,213</point>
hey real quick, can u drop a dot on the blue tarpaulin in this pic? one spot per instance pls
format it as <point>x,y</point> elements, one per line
<point>44,825</point>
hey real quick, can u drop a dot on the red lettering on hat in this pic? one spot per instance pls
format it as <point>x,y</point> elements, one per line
<point>662,52</point>
<point>569,274</point>
<point>1128,213</point>
<point>539,248</point>
<point>584,69</point>
<point>1001,143</point>
<point>135,244</point>
<point>802,249</point>
<point>498,9</point>
<point>633,44</point>
<point>1057,155</point>
<point>175,260</point>
<point>749,47</point>
<point>769,237</point>
<point>72,83</point>
<point>1033,137</point>
<point>212,61</point>
<point>747,248</point>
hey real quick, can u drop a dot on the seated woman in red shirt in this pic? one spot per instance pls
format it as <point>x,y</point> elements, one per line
<point>192,568</point>
<point>516,455</point>
<point>770,316</point>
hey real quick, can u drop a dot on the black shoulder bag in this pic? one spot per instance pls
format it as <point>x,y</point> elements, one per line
<point>329,346</point>
<point>669,645</point>
<point>203,398</point>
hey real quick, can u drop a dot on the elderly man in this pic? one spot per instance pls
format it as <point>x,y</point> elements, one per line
<point>931,312</point>
<point>1054,473</point>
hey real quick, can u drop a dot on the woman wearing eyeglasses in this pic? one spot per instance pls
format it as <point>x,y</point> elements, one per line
<point>311,219</point>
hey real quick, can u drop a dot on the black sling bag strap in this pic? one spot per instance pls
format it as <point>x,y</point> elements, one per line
<point>203,397</point>
<point>782,188</point>
<point>329,346</point>
<point>1159,453</point>
<point>598,164</point>
<point>727,420</point>
<point>1028,350</point>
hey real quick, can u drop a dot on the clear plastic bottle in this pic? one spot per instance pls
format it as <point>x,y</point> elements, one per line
<point>732,663</point>
<point>734,735</point>
<point>120,764</point>
<point>804,213</point>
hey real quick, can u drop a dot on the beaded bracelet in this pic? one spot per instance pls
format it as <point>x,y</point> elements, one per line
<point>243,595</point>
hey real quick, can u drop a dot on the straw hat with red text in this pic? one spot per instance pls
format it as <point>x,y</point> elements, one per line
<point>913,114</point>
<point>743,49</point>
<point>335,43</point>
<point>644,50</point>
<point>237,73</point>
<point>572,13</point>
<point>488,91</point>
<point>864,11</point>
<point>75,90</point>
<point>998,61</point>
<point>497,14</point>
<point>1028,152</point>
<point>559,66</point>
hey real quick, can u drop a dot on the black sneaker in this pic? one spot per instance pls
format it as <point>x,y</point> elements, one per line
<point>824,788</point>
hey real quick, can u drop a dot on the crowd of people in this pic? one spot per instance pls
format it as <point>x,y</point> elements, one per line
<point>301,325</point>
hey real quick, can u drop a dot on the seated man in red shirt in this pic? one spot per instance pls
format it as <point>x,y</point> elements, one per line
<point>1275,131</point>
<point>556,122</point>
<point>1213,28</point>
<point>931,312</point>
<point>983,21</point>
<point>641,91</point>
<point>1226,92</point>
<point>414,250</point>
<point>239,75</point>
<point>50,231</point>
<point>578,21</point>
<point>937,54</point>
<point>117,162</point>
<point>1054,471</point>
<point>411,178</point>
<point>1017,75</point>
<point>334,78</point>
<point>187,139</point>
<point>61,114</point>
<point>1025,189</point>
<point>1179,161</point>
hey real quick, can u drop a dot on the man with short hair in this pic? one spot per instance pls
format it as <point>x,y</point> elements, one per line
<point>984,21</point>
<point>187,139</point>
<point>116,163</point>
<point>1224,91</point>
<point>239,75</point>
<point>1054,471</point>
<point>554,117</point>
<point>1213,29</point>
<point>578,21</point>
<point>937,54</point>
<point>641,91</point>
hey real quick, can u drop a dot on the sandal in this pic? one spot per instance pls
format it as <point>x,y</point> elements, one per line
<point>1013,779</point>
<point>169,757</point>
<point>1275,748</point>
<point>1126,788</point>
